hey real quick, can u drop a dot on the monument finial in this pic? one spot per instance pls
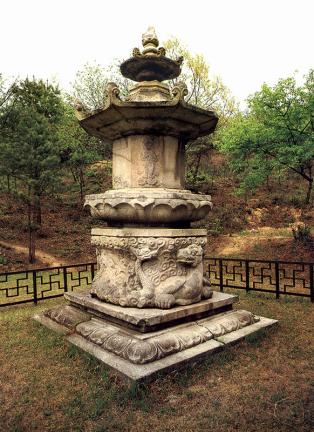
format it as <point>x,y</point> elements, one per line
<point>150,41</point>
<point>151,64</point>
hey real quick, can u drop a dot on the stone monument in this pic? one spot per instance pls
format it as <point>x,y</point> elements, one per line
<point>149,308</point>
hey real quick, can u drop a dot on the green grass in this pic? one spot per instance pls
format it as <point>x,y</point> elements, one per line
<point>263,384</point>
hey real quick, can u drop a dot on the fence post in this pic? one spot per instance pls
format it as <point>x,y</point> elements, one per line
<point>247,276</point>
<point>311,283</point>
<point>65,279</point>
<point>221,278</point>
<point>277,281</point>
<point>34,287</point>
<point>92,271</point>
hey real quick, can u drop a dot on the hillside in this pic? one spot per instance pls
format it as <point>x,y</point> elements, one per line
<point>255,226</point>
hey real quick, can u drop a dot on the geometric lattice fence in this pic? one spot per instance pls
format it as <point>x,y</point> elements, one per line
<point>277,277</point>
<point>35,285</point>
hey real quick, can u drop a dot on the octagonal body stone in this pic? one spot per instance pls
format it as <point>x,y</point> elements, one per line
<point>148,161</point>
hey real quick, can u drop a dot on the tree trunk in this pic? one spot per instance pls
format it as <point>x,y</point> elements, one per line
<point>31,234</point>
<point>32,245</point>
<point>197,166</point>
<point>8,184</point>
<point>38,211</point>
<point>268,183</point>
<point>309,191</point>
<point>81,181</point>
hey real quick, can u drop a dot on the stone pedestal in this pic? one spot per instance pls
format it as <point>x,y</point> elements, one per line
<point>142,343</point>
<point>150,267</point>
<point>153,206</point>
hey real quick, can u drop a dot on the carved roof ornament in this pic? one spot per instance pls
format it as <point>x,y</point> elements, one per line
<point>112,95</point>
<point>179,91</point>
<point>80,111</point>
<point>151,107</point>
<point>150,64</point>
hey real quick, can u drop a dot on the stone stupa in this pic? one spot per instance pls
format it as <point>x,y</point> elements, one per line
<point>149,308</point>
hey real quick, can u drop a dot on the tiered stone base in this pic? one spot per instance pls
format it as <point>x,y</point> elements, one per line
<point>150,267</point>
<point>140,343</point>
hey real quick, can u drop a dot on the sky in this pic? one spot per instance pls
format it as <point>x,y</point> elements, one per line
<point>246,42</point>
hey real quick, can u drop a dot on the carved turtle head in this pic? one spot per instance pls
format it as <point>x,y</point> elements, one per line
<point>190,255</point>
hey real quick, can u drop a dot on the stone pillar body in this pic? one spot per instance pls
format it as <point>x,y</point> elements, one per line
<point>148,161</point>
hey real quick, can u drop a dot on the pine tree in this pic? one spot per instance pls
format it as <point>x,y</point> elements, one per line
<point>29,145</point>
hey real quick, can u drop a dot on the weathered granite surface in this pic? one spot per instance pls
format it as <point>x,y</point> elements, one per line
<point>161,344</point>
<point>150,64</point>
<point>157,271</point>
<point>142,348</point>
<point>148,161</point>
<point>150,319</point>
<point>159,268</point>
<point>137,356</point>
<point>176,118</point>
<point>67,315</point>
<point>149,206</point>
<point>150,308</point>
<point>148,232</point>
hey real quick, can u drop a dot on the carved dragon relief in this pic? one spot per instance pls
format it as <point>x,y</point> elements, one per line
<point>150,272</point>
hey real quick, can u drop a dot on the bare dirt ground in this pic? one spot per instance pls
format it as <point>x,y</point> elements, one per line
<point>41,256</point>
<point>262,243</point>
<point>63,238</point>
<point>237,244</point>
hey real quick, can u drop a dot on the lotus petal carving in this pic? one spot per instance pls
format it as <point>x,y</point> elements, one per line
<point>149,206</point>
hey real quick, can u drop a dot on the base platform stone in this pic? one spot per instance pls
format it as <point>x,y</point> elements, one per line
<point>151,319</point>
<point>149,371</point>
<point>141,355</point>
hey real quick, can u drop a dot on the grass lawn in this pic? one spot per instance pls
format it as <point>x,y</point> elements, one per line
<point>265,383</point>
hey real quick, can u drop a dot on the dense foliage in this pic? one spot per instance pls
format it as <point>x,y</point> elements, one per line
<point>29,144</point>
<point>207,91</point>
<point>275,135</point>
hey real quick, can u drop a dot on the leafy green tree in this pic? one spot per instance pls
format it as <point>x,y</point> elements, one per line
<point>91,81</point>
<point>6,90</point>
<point>275,135</point>
<point>29,145</point>
<point>78,149</point>
<point>206,91</point>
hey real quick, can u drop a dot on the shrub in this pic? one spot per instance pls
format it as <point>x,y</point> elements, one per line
<point>301,232</point>
<point>3,260</point>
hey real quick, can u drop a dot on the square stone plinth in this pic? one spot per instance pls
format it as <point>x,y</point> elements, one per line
<point>142,356</point>
<point>147,320</point>
<point>150,371</point>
